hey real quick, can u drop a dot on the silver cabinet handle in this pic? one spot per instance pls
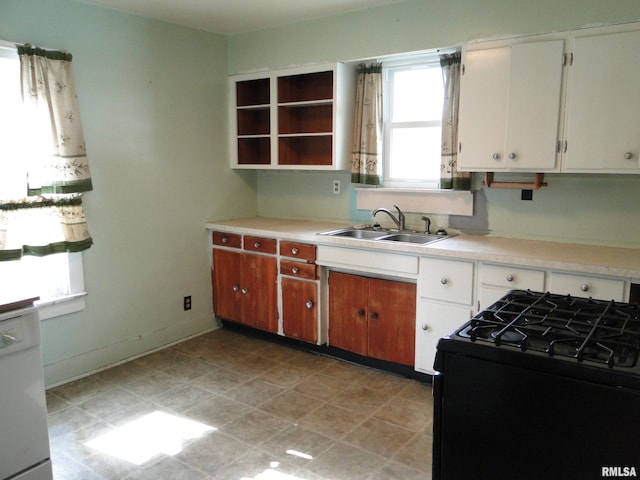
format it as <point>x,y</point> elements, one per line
<point>236,288</point>
<point>225,240</point>
<point>7,338</point>
<point>256,245</point>
<point>294,251</point>
<point>308,304</point>
<point>496,156</point>
<point>509,278</point>
<point>584,287</point>
<point>512,156</point>
<point>425,327</point>
<point>628,155</point>
<point>443,281</point>
<point>295,270</point>
<point>245,290</point>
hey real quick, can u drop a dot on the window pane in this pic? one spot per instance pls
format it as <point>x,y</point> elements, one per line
<point>43,277</point>
<point>15,138</point>
<point>415,153</point>
<point>417,95</point>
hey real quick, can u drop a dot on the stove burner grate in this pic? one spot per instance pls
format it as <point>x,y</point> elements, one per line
<point>603,332</point>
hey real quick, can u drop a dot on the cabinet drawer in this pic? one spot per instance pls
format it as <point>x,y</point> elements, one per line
<point>298,250</point>
<point>586,286</point>
<point>299,269</point>
<point>447,280</point>
<point>227,239</point>
<point>260,244</point>
<point>510,277</point>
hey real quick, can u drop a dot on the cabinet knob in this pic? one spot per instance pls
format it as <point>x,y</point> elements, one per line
<point>294,251</point>
<point>496,156</point>
<point>425,327</point>
<point>236,288</point>
<point>245,290</point>
<point>361,313</point>
<point>584,287</point>
<point>512,156</point>
<point>509,278</point>
<point>256,245</point>
<point>308,304</point>
<point>374,315</point>
<point>443,280</point>
<point>295,270</point>
<point>628,155</point>
<point>225,240</point>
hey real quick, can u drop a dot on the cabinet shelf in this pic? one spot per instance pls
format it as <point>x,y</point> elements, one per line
<point>305,87</point>
<point>305,150</point>
<point>294,118</point>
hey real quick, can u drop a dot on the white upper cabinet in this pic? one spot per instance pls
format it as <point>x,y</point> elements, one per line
<point>298,118</point>
<point>603,102</point>
<point>510,106</point>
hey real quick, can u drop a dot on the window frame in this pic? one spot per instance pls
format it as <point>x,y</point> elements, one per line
<point>73,275</point>
<point>389,67</point>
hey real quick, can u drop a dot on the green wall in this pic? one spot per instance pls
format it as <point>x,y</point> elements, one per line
<point>593,209</point>
<point>153,99</point>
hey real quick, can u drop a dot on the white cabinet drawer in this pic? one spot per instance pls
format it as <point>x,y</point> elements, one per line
<point>586,286</point>
<point>446,280</point>
<point>510,277</point>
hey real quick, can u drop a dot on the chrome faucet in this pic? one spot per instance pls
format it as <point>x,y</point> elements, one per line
<point>400,221</point>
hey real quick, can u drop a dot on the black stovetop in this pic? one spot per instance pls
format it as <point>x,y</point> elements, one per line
<point>592,332</point>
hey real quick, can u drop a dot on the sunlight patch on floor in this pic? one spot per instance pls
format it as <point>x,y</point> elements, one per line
<point>270,474</point>
<point>148,436</point>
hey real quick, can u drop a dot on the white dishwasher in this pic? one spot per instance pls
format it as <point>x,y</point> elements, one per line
<point>24,438</point>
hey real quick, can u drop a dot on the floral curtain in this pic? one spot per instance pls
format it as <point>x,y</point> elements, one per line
<point>450,177</point>
<point>366,164</point>
<point>51,219</point>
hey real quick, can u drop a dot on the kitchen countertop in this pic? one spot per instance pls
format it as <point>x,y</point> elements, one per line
<point>599,260</point>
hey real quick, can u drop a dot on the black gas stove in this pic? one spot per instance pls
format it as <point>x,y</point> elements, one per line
<point>552,380</point>
<point>595,332</point>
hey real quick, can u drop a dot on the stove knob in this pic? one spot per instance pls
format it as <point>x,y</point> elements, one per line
<point>584,287</point>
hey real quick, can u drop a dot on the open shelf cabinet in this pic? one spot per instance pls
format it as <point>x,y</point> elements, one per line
<point>296,118</point>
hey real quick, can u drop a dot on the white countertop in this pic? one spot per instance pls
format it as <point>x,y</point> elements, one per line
<point>600,260</point>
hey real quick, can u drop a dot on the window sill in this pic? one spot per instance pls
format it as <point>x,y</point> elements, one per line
<point>58,306</point>
<point>446,202</point>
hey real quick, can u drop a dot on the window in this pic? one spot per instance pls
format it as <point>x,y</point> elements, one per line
<point>413,95</point>
<point>56,278</point>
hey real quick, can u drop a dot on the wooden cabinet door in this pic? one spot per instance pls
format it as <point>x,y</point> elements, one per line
<point>533,115</point>
<point>226,284</point>
<point>483,96</point>
<point>392,321</point>
<point>258,290</point>
<point>603,101</point>
<point>435,320</point>
<point>300,309</point>
<point>348,312</point>
<point>510,107</point>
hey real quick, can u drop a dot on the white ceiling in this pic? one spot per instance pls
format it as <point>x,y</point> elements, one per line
<point>236,16</point>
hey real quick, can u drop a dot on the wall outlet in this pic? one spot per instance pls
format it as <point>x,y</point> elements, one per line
<point>186,303</point>
<point>336,187</point>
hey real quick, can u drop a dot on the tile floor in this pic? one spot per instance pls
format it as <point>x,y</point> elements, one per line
<point>255,409</point>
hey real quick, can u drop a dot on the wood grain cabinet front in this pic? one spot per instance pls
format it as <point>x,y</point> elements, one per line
<point>244,284</point>
<point>373,317</point>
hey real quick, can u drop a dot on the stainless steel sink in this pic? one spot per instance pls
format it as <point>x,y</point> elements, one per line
<point>420,238</point>
<point>357,233</point>
<point>385,235</point>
